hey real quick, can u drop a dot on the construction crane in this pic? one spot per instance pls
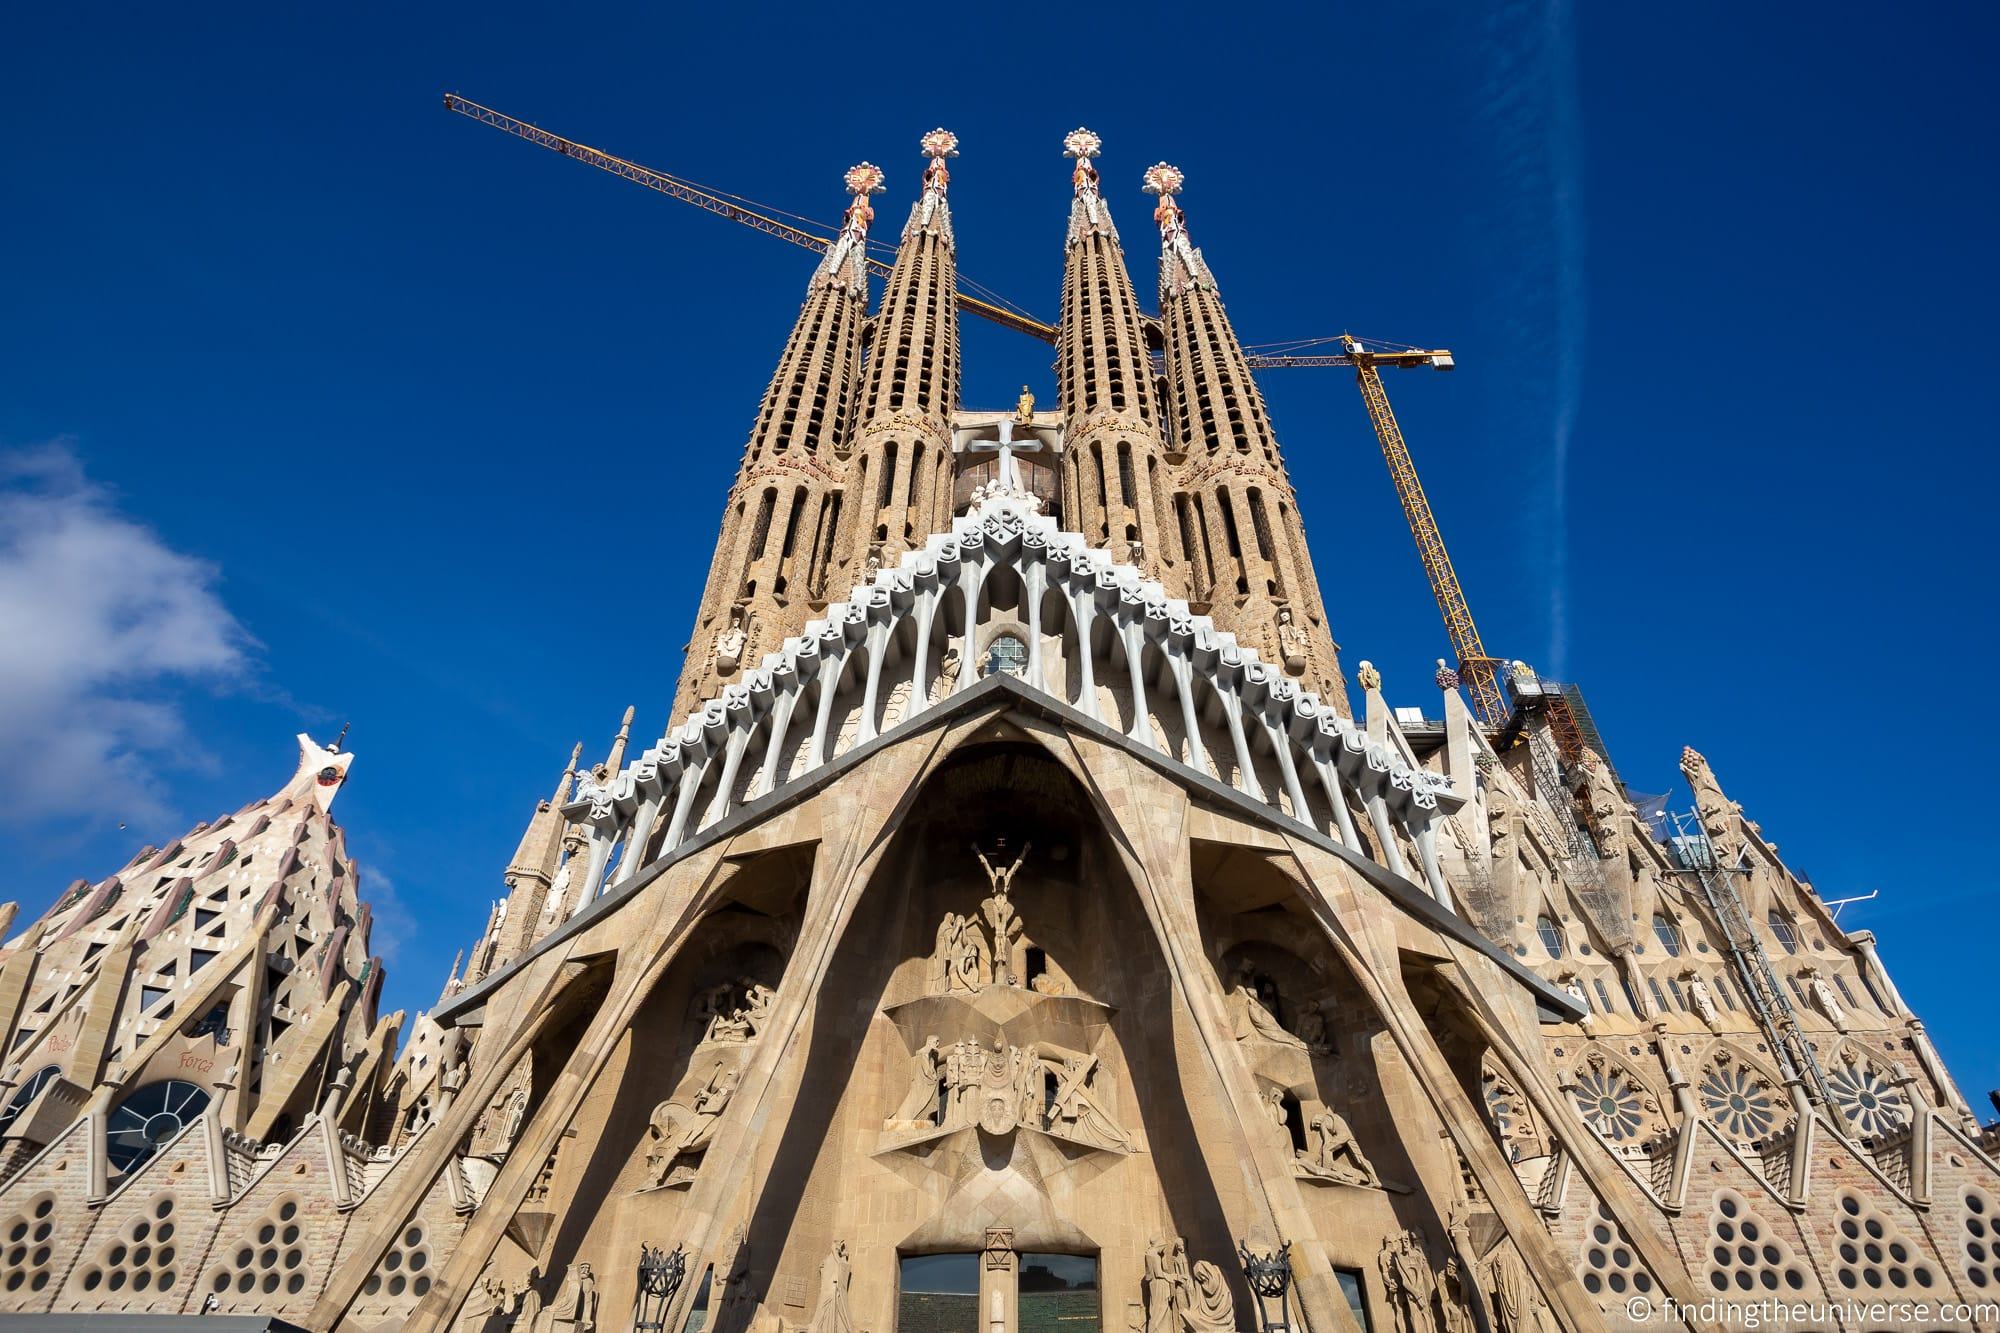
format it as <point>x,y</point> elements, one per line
<point>1477,671</point>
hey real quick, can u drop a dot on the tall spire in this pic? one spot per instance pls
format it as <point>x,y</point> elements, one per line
<point>616,760</point>
<point>1116,483</point>
<point>1245,542</point>
<point>779,522</point>
<point>899,477</point>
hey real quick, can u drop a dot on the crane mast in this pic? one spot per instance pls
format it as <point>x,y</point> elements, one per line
<point>1478,672</point>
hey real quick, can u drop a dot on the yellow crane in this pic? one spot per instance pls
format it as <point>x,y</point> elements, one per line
<point>1478,672</point>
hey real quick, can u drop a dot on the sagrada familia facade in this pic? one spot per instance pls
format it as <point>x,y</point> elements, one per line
<point>1021,925</point>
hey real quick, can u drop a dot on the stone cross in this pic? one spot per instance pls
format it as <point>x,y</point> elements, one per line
<point>1007,446</point>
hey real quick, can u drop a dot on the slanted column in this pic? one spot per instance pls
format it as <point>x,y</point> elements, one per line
<point>1282,744</point>
<point>831,664</point>
<point>1177,662</point>
<point>781,725</point>
<point>1034,579</point>
<point>1336,793</point>
<point>691,778</point>
<point>1132,635</point>
<point>920,660</point>
<point>1083,606</point>
<point>732,759</point>
<point>599,856</point>
<point>1232,710</point>
<point>1378,815</point>
<point>1426,839</point>
<point>636,840</point>
<point>875,643</point>
<point>971,579</point>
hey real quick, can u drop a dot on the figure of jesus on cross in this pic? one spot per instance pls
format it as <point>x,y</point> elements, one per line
<point>1006,445</point>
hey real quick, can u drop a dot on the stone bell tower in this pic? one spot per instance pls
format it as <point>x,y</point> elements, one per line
<point>1012,930</point>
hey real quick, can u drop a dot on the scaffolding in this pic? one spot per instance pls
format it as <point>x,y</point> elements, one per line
<point>1756,978</point>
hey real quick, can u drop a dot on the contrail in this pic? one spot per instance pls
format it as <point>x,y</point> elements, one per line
<point>1531,104</point>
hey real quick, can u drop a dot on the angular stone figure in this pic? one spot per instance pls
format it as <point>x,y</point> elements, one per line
<point>999,913</point>
<point>1453,1298</point>
<point>1281,1119</point>
<point>756,1010</point>
<point>923,1100</point>
<point>1210,1309</point>
<point>1406,1273</point>
<point>681,1131</point>
<point>573,1309</point>
<point>1293,645</point>
<point>1332,1153</point>
<point>1703,1000</point>
<point>1823,997</point>
<point>832,1314</point>
<point>1250,1017</point>
<point>1078,1114</point>
<point>1162,1316</point>
<point>1313,1031</point>
<point>1517,1302</point>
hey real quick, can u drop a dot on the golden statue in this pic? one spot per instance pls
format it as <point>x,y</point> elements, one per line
<point>1024,407</point>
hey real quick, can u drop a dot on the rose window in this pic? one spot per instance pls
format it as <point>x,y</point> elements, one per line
<point>1738,1101</point>
<point>1870,1102</point>
<point>1610,1102</point>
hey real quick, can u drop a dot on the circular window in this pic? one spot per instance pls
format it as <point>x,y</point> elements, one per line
<point>148,1118</point>
<point>1007,655</point>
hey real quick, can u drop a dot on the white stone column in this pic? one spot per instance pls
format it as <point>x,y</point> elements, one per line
<point>1083,607</point>
<point>1378,815</point>
<point>920,660</point>
<point>1288,769</point>
<point>830,667</point>
<point>1177,662</point>
<point>636,839</point>
<point>1133,636</point>
<point>1033,580</point>
<point>732,759</point>
<point>1336,793</point>
<point>971,578</point>
<point>1232,710</point>
<point>774,756</point>
<point>690,787</point>
<point>875,643</point>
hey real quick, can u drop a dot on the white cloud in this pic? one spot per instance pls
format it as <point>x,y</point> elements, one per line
<point>100,623</point>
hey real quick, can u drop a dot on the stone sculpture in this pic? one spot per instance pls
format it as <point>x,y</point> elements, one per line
<point>923,1101</point>
<point>1003,1088</point>
<point>1332,1153</point>
<point>574,1306</point>
<point>1517,1302</point>
<point>1078,1114</point>
<point>832,1314</point>
<point>681,1131</point>
<point>1823,997</point>
<point>1251,1017</point>
<point>1453,1296</point>
<point>999,912</point>
<point>1292,643</point>
<point>1407,1277</point>
<point>1702,999</point>
<point>1183,1300</point>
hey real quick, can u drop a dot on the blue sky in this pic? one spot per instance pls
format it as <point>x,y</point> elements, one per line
<point>321,404</point>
